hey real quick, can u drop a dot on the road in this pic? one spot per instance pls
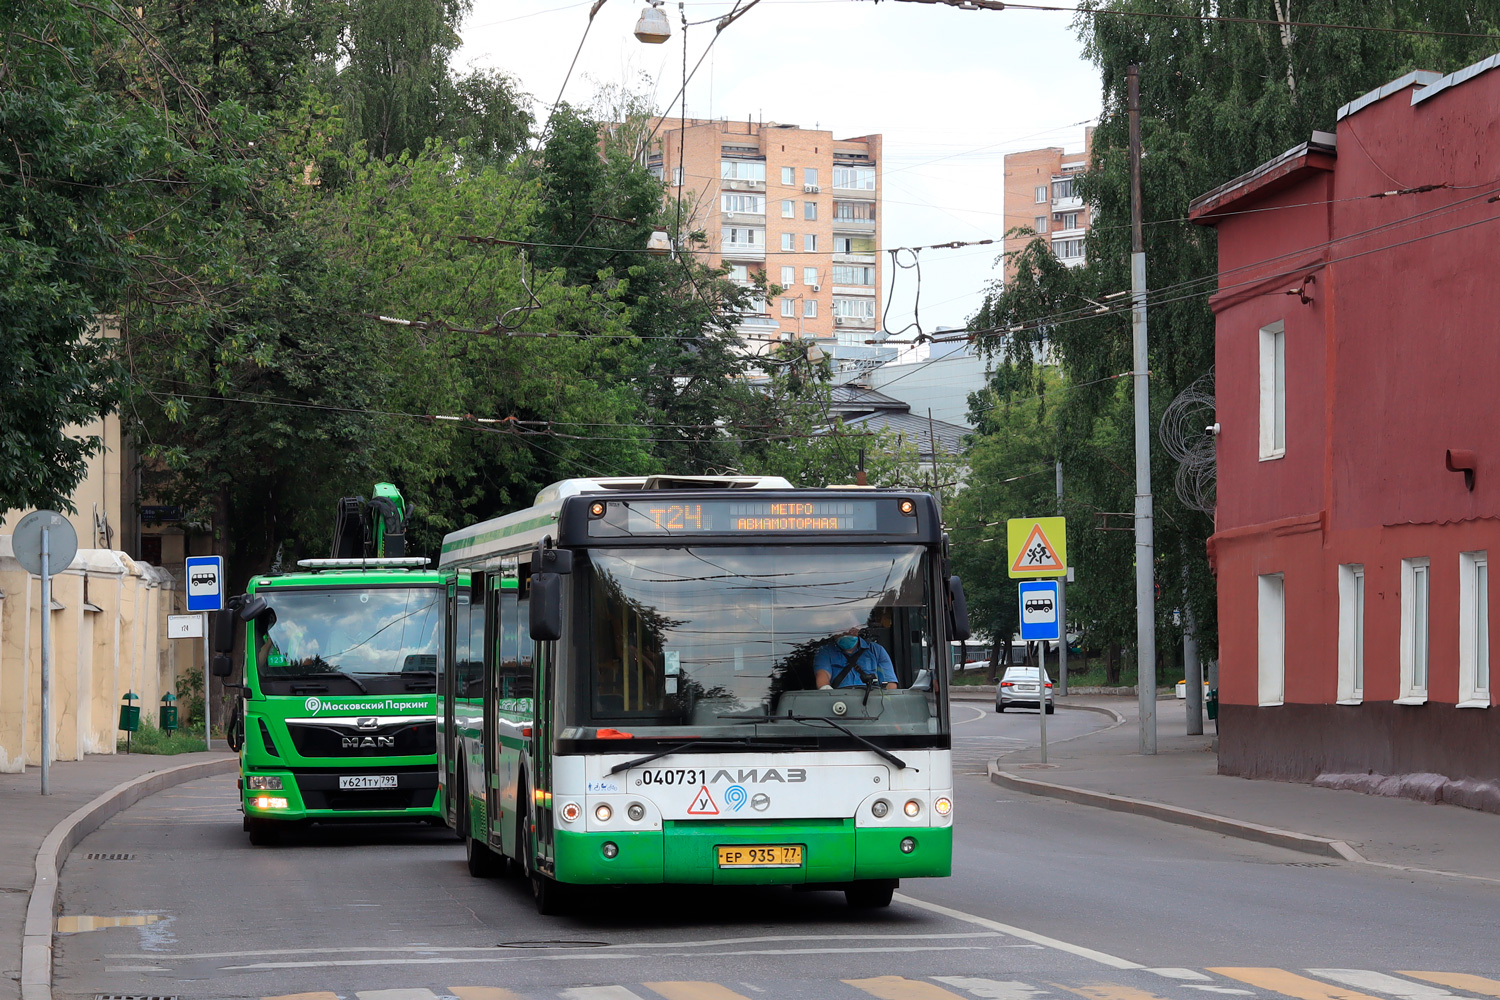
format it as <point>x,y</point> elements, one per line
<point>1122,908</point>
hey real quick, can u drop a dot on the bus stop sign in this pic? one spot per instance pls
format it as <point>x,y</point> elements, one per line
<point>1039,610</point>
<point>205,583</point>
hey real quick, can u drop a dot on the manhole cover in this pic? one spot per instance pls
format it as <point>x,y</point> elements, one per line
<point>130,996</point>
<point>553,944</point>
<point>112,857</point>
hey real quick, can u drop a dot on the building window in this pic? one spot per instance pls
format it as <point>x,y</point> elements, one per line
<point>1271,639</point>
<point>810,308</point>
<point>857,309</point>
<point>788,276</point>
<point>1041,193</point>
<point>1039,224</point>
<point>854,211</point>
<point>854,178</point>
<point>810,211</point>
<point>749,204</point>
<point>1272,391</point>
<point>843,244</point>
<point>810,176</point>
<point>789,176</point>
<point>1062,188</point>
<point>788,241</point>
<point>1351,634</point>
<point>755,305</point>
<point>739,273</point>
<point>658,171</point>
<point>789,308</point>
<point>1066,220</point>
<point>1473,630</point>
<point>788,208</point>
<point>850,274</point>
<point>742,170</point>
<point>1067,249</point>
<point>1415,575</point>
<point>810,243</point>
<point>677,177</point>
<point>809,276</point>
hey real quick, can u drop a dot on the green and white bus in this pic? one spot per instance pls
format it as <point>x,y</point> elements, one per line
<point>632,687</point>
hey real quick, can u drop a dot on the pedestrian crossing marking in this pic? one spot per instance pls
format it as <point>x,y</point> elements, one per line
<point>1182,974</point>
<point>320,995</point>
<point>1379,982</point>
<point>599,993</point>
<point>994,989</point>
<point>1108,991</point>
<point>416,994</point>
<point>483,993</point>
<point>692,990</point>
<point>1291,984</point>
<point>901,988</point>
<point>1461,981</point>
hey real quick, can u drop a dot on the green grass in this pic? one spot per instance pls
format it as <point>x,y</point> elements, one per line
<point>149,739</point>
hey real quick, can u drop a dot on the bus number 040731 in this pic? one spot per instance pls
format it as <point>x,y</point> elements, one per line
<point>678,776</point>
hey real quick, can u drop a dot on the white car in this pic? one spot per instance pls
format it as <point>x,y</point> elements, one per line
<point>1020,686</point>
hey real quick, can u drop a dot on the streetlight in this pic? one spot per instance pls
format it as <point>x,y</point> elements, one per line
<point>653,28</point>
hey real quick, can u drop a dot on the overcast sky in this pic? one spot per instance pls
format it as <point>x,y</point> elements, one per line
<point>951,90</point>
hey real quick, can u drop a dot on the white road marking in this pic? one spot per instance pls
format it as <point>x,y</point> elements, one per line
<point>1022,933</point>
<point>994,989</point>
<point>1182,974</point>
<point>414,994</point>
<point>972,708</point>
<point>1219,989</point>
<point>574,956</point>
<point>1379,982</point>
<point>136,968</point>
<point>599,993</point>
<point>490,949</point>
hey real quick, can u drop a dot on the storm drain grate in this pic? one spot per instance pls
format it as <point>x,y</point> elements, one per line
<point>130,996</point>
<point>1311,864</point>
<point>113,857</point>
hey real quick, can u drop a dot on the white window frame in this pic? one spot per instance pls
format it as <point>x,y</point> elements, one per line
<point>810,176</point>
<point>810,243</point>
<point>789,176</point>
<point>1416,630</point>
<point>788,208</point>
<point>789,308</point>
<point>788,242</point>
<point>810,211</point>
<point>1351,634</point>
<point>1273,391</point>
<point>788,276</point>
<point>810,276</point>
<point>1473,630</point>
<point>809,308</point>
<point>1270,647</point>
<point>1041,194</point>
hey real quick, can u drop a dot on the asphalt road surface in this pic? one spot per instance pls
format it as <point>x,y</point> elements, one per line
<point>1048,901</point>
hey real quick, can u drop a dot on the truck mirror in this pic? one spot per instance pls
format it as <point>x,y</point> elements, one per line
<point>224,625</point>
<point>222,667</point>
<point>958,609</point>
<point>546,606</point>
<point>253,607</point>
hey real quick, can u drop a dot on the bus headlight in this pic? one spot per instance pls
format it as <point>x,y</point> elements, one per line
<point>912,808</point>
<point>943,806</point>
<point>263,783</point>
<point>602,812</point>
<point>610,850</point>
<point>908,844</point>
<point>269,802</point>
<point>636,812</point>
<point>880,808</point>
<point>570,812</point>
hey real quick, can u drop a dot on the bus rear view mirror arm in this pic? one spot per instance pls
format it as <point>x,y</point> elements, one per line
<point>959,608</point>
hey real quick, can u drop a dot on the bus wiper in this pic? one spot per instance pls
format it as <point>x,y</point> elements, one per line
<point>690,744</point>
<point>882,751</point>
<point>315,674</point>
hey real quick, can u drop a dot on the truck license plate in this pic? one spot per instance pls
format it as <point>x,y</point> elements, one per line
<point>367,781</point>
<point>760,856</point>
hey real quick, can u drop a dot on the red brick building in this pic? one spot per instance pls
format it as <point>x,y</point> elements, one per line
<point>1358,396</point>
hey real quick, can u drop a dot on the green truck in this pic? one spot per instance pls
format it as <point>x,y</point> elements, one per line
<point>337,714</point>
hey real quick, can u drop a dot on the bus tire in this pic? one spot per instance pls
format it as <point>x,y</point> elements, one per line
<point>263,833</point>
<point>483,862</point>
<point>872,895</point>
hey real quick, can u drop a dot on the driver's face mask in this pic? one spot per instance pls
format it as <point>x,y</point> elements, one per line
<point>847,642</point>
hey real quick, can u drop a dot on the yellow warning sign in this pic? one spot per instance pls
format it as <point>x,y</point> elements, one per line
<point>1037,546</point>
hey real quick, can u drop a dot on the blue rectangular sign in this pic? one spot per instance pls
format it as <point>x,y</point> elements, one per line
<point>205,583</point>
<point>1039,610</point>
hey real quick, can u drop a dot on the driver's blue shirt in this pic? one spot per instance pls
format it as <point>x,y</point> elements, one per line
<point>872,659</point>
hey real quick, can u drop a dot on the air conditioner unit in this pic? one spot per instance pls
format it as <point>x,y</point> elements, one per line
<point>817,288</point>
<point>810,189</point>
<point>838,321</point>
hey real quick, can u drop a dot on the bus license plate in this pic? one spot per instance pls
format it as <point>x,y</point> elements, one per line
<point>760,856</point>
<point>367,781</point>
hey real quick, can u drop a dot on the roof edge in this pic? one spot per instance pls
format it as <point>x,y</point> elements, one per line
<point>1455,78</point>
<point>1214,201</point>
<point>1419,78</point>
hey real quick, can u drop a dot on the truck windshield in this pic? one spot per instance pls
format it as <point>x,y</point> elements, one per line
<point>353,632</point>
<point>745,641</point>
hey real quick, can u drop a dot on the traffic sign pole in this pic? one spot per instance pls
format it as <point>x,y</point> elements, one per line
<point>205,592</point>
<point>208,729</point>
<point>46,662</point>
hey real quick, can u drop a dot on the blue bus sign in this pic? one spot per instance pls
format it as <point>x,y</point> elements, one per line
<point>1039,610</point>
<point>205,583</point>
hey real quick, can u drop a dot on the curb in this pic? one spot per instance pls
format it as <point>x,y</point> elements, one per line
<point>1289,839</point>
<point>36,939</point>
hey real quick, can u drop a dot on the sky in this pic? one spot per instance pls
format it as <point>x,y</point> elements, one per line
<point>951,90</point>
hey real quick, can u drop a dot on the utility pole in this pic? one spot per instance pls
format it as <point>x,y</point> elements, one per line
<point>1145,545</point>
<point>1062,606</point>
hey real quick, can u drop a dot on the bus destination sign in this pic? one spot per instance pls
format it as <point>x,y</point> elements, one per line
<point>730,517</point>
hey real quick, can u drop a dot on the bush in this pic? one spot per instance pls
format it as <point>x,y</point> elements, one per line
<point>149,739</point>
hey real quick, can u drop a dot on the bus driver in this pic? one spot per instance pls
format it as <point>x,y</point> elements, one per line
<point>848,660</point>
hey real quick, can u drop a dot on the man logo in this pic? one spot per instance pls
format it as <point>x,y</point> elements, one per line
<point>367,722</point>
<point>313,704</point>
<point>368,742</point>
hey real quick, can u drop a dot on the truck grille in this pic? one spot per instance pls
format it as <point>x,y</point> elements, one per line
<point>347,738</point>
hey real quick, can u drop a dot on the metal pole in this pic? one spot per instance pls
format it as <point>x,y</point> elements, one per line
<point>208,737</point>
<point>1062,620</point>
<point>46,662</point>
<point>1145,545</point>
<point>1193,674</point>
<point>1041,694</point>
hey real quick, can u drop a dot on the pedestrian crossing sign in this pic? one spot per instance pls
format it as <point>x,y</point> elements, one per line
<point>1037,546</point>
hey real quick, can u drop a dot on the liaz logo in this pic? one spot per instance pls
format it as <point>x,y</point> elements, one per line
<point>365,742</point>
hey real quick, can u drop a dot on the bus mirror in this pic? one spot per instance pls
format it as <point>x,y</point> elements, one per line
<point>222,667</point>
<point>558,561</point>
<point>224,623</point>
<point>546,606</point>
<point>958,608</point>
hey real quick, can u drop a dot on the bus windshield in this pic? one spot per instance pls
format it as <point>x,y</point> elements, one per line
<point>352,637</point>
<point>758,641</point>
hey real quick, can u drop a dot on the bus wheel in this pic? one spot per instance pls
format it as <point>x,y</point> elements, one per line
<point>872,895</point>
<point>552,897</point>
<point>263,833</point>
<point>483,862</point>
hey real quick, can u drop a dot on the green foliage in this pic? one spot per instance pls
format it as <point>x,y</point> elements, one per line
<point>148,739</point>
<point>1218,98</point>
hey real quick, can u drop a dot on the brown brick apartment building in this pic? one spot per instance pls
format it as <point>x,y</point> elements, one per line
<point>796,203</point>
<point>1039,196</point>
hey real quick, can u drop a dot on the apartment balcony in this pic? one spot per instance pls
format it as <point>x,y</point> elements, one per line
<point>853,225</point>
<point>854,194</point>
<point>854,322</point>
<point>734,184</point>
<point>743,251</point>
<point>744,219</point>
<point>1072,203</point>
<point>853,289</point>
<point>854,258</point>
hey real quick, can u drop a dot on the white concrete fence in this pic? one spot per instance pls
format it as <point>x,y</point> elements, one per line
<point>109,636</point>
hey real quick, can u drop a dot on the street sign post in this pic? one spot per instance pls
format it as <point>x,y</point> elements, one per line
<point>205,592</point>
<point>185,626</point>
<point>1039,610</point>
<point>1036,547</point>
<point>44,539</point>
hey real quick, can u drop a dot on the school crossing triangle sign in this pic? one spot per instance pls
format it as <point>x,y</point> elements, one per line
<point>1036,546</point>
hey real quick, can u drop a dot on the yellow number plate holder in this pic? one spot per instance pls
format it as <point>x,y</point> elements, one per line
<point>760,855</point>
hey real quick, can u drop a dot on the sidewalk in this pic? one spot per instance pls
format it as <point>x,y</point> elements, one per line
<point>27,817</point>
<point>1181,784</point>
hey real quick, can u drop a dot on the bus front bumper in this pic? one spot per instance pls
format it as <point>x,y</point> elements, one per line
<point>317,795</point>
